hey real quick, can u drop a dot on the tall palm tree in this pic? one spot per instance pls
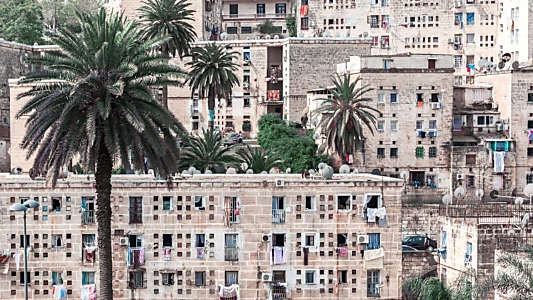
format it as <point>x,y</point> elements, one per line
<point>207,152</point>
<point>345,114</point>
<point>92,102</point>
<point>212,74</point>
<point>516,278</point>
<point>257,159</point>
<point>169,18</point>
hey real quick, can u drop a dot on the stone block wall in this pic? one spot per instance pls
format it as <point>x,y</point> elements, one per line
<point>419,220</point>
<point>418,264</point>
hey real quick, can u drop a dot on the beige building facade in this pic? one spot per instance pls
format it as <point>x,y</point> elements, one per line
<point>272,236</point>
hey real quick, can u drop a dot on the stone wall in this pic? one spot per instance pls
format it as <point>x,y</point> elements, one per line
<point>418,264</point>
<point>421,219</point>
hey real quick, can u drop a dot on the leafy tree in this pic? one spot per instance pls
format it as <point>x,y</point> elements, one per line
<point>344,114</point>
<point>290,21</point>
<point>517,276</point>
<point>208,152</point>
<point>268,28</point>
<point>92,101</point>
<point>212,74</point>
<point>21,21</point>
<point>59,13</point>
<point>432,288</point>
<point>258,159</point>
<point>169,18</point>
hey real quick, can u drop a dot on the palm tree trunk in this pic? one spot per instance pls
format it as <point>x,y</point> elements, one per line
<point>103,216</point>
<point>211,107</point>
<point>165,96</point>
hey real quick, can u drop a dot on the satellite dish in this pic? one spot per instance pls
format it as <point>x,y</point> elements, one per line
<point>197,172</point>
<point>348,33</point>
<point>506,57</point>
<point>376,172</point>
<point>273,171</point>
<point>459,192</point>
<point>223,36</point>
<point>276,37</point>
<point>528,190</point>
<point>446,199</point>
<point>510,232</point>
<point>321,148</point>
<point>515,65</point>
<point>480,193</point>
<point>288,171</point>
<point>501,65</point>
<point>327,172</point>
<point>404,175</point>
<point>267,37</point>
<point>326,34</point>
<point>525,219</point>
<point>208,171</point>
<point>192,170</point>
<point>316,135</point>
<point>482,63</point>
<point>231,170</point>
<point>314,121</point>
<point>311,172</point>
<point>249,171</point>
<point>321,166</point>
<point>493,194</point>
<point>264,173</point>
<point>356,171</point>
<point>301,34</point>
<point>185,172</point>
<point>337,34</point>
<point>344,169</point>
<point>365,34</point>
<point>519,201</point>
<point>489,66</point>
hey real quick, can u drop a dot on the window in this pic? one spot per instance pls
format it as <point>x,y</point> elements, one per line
<point>234,210</point>
<point>247,104</point>
<point>342,240</point>
<point>384,41</point>
<point>432,63</point>
<point>432,153</point>
<point>393,98</point>
<point>260,9</point>
<point>167,240</point>
<point>470,181</point>
<point>343,276</point>
<point>485,120</point>
<point>419,152</point>
<point>381,152</point>
<point>381,125</point>
<point>278,210</point>
<point>21,274</point>
<point>27,241</point>
<point>433,124</point>
<point>419,125</point>
<point>232,30</point>
<point>281,9</point>
<point>234,9</point>
<point>435,97</point>
<point>393,152</point>
<point>278,276</point>
<point>57,240</point>
<point>375,41</point>
<point>309,240</point>
<point>310,276</point>
<point>468,254</point>
<point>373,281</point>
<point>56,204</point>
<point>200,240</point>
<point>246,30</point>
<point>529,152</point>
<point>231,277</point>
<point>167,203</point>
<point>231,249</point>
<point>57,278</point>
<point>457,123</point>
<point>136,210</point>
<point>199,203</point>
<point>470,159</point>
<point>195,125</point>
<point>470,19</point>
<point>304,23</point>
<point>136,241</point>
<point>278,240</point>
<point>310,203</point>
<point>374,21</point>
<point>199,278</point>
<point>344,202</point>
<point>394,125</point>
<point>529,178</point>
<point>374,241</point>
<point>458,61</point>
<point>88,278</point>
<point>381,98</point>
<point>137,280</point>
<point>88,240</point>
<point>530,97</point>
<point>168,278</point>
<point>470,38</point>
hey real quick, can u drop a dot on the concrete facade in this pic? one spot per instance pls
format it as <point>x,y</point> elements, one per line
<point>207,226</point>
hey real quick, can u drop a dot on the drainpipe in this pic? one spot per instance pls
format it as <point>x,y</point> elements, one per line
<point>451,172</point>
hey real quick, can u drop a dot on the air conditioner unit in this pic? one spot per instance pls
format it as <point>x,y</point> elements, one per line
<point>124,241</point>
<point>280,183</point>
<point>458,4</point>
<point>381,103</point>
<point>267,277</point>
<point>266,237</point>
<point>450,41</point>
<point>460,176</point>
<point>362,239</point>
<point>435,105</point>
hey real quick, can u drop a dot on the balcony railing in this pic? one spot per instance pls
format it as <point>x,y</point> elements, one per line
<point>87,217</point>
<point>274,95</point>
<point>135,257</point>
<point>254,16</point>
<point>231,254</point>
<point>278,216</point>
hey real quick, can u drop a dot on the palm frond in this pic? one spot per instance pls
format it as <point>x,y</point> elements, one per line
<point>208,152</point>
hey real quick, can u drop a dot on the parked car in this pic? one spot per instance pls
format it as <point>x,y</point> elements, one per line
<point>408,249</point>
<point>231,139</point>
<point>419,242</point>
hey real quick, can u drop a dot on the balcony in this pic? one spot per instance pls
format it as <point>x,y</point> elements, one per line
<point>278,216</point>
<point>231,254</point>
<point>227,17</point>
<point>274,96</point>
<point>135,257</point>
<point>87,217</point>
<point>274,74</point>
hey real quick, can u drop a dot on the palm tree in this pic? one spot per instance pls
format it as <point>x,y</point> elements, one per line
<point>258,159</point>
<point>344,114</point>
<point>207,152</point>
<point>462,288</point>
<point>212,74</point>
<point>516,278</point>
<point>169,18</point>
<point>92,102</point>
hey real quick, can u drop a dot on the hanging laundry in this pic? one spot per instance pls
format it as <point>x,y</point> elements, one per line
<point>17,260</point>
<point>304,9</point>
<point>200,252</point>
<point>530,136</point>
<point>306,256</point>
<point>499,164</point>
<point>371,214</point>
<point>350,160</point>
<point>278,255</point>
<point>422,134</point>
<point>382,222</point>
<point>166,253</point>
<point>59,292</point>
<point>343,251</point>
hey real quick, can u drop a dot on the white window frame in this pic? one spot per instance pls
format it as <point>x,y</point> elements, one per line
<point>171,207</point>
<point>203,207</point>
<point>171,240</point>
<point>337,202</point>
<point>316,241</point>
<point>90,275</point>
<point>381,98</point>
<point>313,203</point>
<point>471,38</point>
<point>433,125</point>
<point>234,205</point>
<point>380,201</point>
<point>397,98</point>
<point>419,124</point>
<point>381,126</point>
<point>139,238</point>
<point>168,278</point>
<point>395,127</point>
<point>54,245</point>
<point>315,277</point>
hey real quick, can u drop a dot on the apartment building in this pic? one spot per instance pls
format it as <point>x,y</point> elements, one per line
<point>211,237</point>
<point>514,26</point>
<point>414,94</point>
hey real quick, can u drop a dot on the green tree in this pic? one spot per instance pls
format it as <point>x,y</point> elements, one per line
<point>268,28</point>
<point>433,289</point>
<point>517,276</point>
<point>21,21</point>
<point>208,152</point>
<point>290,21</point>
<point>59,13</point>
<point>344,114</point>
<point>212,74</point>
<point>169,18</point>
<point>92,101</point>
<point>258,159</point>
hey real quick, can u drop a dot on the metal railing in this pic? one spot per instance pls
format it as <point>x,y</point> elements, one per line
<point>513,243</point>
<point>278,216</point>
<point>254,16</point>
<point>231,254</point>
<point>87,217</point>
<point>487,212</point>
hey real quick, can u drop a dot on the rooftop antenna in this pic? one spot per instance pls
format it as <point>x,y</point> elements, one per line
<point>479,194</point>
<point>447,199</point>
<point>506,57</point>
<point>482,64</point>
<point>365,34</point>
<point>459,193</point>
